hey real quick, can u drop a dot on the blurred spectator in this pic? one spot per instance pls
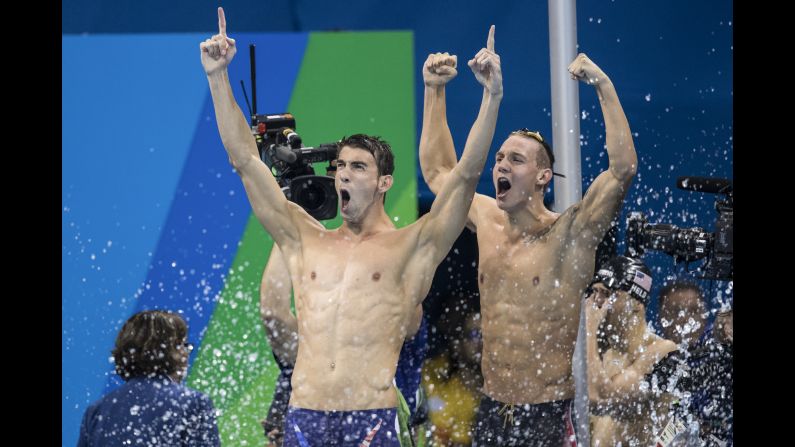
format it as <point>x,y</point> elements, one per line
<point>152,407</point>
<point>452,382</point>
<point>683,314</point>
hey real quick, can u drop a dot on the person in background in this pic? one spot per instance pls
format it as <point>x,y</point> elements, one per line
<point>152,407</point>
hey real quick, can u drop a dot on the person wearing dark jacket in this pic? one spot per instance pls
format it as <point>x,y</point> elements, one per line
<point>152,407</point>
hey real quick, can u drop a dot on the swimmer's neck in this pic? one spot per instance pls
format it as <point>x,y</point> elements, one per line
<point>374,221</point>
<point>529,219</point>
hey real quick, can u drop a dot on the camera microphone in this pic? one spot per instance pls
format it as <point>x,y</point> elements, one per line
<point>284,153</point>
<point>705,184</point>
<point>293,139</point>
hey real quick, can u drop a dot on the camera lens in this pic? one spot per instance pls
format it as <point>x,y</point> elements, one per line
<point>316,195</point>
<point>311,196</point>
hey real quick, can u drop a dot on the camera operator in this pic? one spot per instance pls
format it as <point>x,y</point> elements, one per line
<point>682,313</point>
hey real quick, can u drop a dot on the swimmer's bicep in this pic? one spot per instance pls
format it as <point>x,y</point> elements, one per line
<point>269,203</point>
<point>286,223</point>
<point>441,226</point>
<point>599,207</point>
<point>304,223</point>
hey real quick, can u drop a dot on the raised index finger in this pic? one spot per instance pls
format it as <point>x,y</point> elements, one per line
<point>221,22</point>
<point>490,40</point>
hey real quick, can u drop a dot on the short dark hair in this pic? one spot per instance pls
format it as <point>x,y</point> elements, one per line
<point>379,148</point>
<point>149,344</point>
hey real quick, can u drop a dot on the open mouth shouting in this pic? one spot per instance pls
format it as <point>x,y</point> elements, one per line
<point>345,196</point>
<point>503,185</point>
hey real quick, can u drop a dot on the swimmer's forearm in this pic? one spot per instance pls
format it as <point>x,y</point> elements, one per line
<point>620,146</point>
<point>448,209</point>
<point>266,197</point>
<point>437,151</point>
<point>232,125</point>
<point>480,136</point>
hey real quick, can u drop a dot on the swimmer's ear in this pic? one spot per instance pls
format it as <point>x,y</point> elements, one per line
<point>384,183</point>
<point>544,176</point>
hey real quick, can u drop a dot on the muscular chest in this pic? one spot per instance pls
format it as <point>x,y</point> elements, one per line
<point>363,265</point>
<point>335,270</point>
<point>529,278</point>
<point>522,267</point>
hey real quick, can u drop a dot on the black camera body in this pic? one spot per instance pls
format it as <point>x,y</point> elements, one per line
<point>280,148</point>
<point>691,244</point>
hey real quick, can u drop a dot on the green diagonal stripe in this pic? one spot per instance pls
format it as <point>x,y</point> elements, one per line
<point>362,83</point>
